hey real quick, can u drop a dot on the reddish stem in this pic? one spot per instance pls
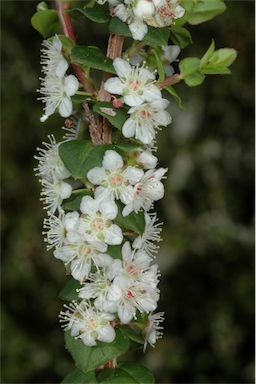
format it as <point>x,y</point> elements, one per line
<point>68,30</point>
<point>169,81</point>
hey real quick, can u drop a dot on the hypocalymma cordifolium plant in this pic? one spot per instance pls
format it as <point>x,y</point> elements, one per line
<point>100,184</point>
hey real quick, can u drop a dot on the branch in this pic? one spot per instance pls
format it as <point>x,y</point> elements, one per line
<point>68,30</point>
<point>169,81</point>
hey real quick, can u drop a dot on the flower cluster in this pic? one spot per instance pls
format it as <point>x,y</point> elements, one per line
<point>56,87</point>
<point>136,84</point>
<point>138,14</point>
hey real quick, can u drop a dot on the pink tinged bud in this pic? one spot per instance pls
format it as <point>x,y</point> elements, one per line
<point>117,103</point>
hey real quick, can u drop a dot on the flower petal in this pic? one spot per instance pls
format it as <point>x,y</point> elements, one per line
<point>113,235</point>
<point>96,175</point>
<point>122,67</point>
<point>89,205</point>
<point>112,160</point>
<point>114,85</point>
<point>71,85</point>
<point>129,128</point>
<point>65,107</point>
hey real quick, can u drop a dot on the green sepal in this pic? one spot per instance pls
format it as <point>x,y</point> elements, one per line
<point>69,291</point>
<point>79,377</point>
<point>154,36</point>
<point>116,116</point>
<point>180,36</point>
<point>126,373</point>
<point>46,22</point>
<point>92,57</point>
<point>89,358</point>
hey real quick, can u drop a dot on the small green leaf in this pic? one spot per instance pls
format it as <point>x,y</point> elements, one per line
<point>180,36</point>
<point>79,377</point>
<point>205,10</point>
<point>46,22</point>
<point>116,117</point>
<point>208,54</point>
<point>223,57</point>
<point>134,336</point>
<point>126,373</point>
<point>134,221</point>
<point>89,358</point>
<point>155,36</point>
<point>69,293</point>
<point>92,57</point>
<point>191,72</point>
<point>216,70</point>
<point>42,6</point>
<point>173,92</point>
<point>97,14</point>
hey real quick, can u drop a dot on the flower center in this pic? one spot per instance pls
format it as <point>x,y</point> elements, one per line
<point>129,295</point>
<point>134,85</point>
<point>92,323</point>
<point>145,114</point>
<point>116,180</point>
<point>97,224</point>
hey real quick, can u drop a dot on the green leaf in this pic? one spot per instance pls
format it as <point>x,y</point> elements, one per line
<point>126,373</point>
<point>77,376</point>
<point>97,14</point>
<point>115,251</point>
<point>180,36</point>
<point>223,57</point>
<point>69,293</point>
<point>92,57</point>
<point>134,221</point>
<point>42,6</point>
<point>218,70</point>
<point>173,92</point>
<point>79,156</point>
<point>89,358</point>
<point>115,116</point>
<point>157,36</point>
<point>125,148</point>
<point>73,203</point>
<point>205,10</point>
<point>134,336</point>
<point>191,72</point>
<point>67,43</point>
<point>46,22</point>
<point>208,54</point>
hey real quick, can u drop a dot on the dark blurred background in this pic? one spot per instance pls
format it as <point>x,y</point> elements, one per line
<point>206,257</point>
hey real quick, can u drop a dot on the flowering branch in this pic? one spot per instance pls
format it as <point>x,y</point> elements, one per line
<point>99,186</point>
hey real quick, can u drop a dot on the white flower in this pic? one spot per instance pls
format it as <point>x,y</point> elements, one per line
<point>88,324</point>
<point>146,119</point>
<point>153,329</point>
<point>56,233</point>
<point>113,178</point>
<point>135,83</point>
<point>57,94</point>
<point>166,11</point>
<point>144,8</point>
<point>131,296</point>
<point>146,191</point>
<point>52,59</point>
<point>54,193</point>
<point>147,160</point>
<point>98,286</point>
<point>170,54</point>
<point>50,165</point>
<point>96,220</point>
<point>151,235</point>
<point>81,254</point>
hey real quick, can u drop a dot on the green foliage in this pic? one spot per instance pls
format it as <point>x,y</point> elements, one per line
<point>89,358</point>
<point>191,72</point>
<point>180,36</point>
<point>199,11</point>
<point>172,91</point>
<point>134,221</point>
<point>134,336</point>
<point>126,373</point>
<point>46,22</point>
<point>67,44</point>
<point>97,14</point>
<point>92,57</point>
<point>69,291</point>
<point>79,377</point>
<point>116,116</point>
<point>155,36</point>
